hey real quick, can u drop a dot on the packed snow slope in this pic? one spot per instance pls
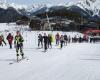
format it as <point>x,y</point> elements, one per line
<point>74,62</point>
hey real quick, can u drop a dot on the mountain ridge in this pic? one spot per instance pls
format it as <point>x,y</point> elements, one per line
<point>86,8</point>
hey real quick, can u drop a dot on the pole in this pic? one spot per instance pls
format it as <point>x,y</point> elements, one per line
<point>48,19</point>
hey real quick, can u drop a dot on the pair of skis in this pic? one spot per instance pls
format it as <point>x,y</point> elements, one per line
<point>18,60</point>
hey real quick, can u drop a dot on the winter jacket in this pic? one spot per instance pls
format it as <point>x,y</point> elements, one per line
<point>18,40</point>
<point>45,39</point>
<point>10,38</point>
<point>40,38</point>
<point>57,37</point>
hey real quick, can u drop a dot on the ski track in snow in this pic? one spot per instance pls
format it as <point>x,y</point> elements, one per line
<point>74,62</point>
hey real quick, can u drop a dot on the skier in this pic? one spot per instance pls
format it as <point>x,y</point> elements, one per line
<point>57,37</point>
<point>10,39</point>
<point>40,40</point>
<point>19,45</point>
<point>45,38</point>
<point>49,40</point>
<point>1,41</point>
<point>65,39</point>
<point>61,41</point>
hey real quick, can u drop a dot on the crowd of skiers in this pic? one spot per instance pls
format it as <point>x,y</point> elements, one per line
<point>91,39</point>
<point>63,40</point>
<point>18,43</point>
<point>44,41</point>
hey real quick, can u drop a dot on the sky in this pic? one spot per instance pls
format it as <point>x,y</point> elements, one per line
<point>29,2</point>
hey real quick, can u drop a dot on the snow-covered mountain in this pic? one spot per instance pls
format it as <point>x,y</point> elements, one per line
<point>87,8</point>
<point>10,9</point>
<point>92,7</point>
<point>10,12</point>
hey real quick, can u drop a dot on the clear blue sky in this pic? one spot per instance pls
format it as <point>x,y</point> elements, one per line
<point>29,2</point>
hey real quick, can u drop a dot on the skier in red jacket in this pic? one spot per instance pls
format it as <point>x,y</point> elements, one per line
<point>10,40</point>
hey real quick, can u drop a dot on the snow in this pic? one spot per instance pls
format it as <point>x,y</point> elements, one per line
<point>2,5</point>
<point>93,5</point>
<point>35,7</point>
<point>16,6</point>
<point>74,62</point>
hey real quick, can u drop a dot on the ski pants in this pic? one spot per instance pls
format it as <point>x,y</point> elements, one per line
<point>19,47</point>
<point>65,42</point>
<point>10,45</point>
<point>40,42</point>
<point>49,44</point>
<point>57,41</point>
<point>4,42</point>
<point>45,45</point>
<point>61,44</point>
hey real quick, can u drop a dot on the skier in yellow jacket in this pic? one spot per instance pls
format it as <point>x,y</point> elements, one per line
<point>19,45</point>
